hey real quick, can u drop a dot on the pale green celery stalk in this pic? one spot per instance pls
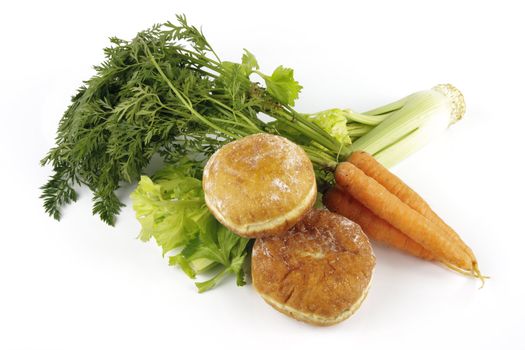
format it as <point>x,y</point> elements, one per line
<point>201,265</point>
<point>356,130</point>
<point>387,109</point>
<point>349,115</point>
<point>194,267</point>
<point>411,123</point>
<point>363,118</point>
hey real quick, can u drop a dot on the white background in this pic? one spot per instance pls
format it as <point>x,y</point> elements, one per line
<point>80,284</point>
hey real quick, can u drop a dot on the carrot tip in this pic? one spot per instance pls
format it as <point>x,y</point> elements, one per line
<point>477,274</point>
<point>472,273</point>
<point>457,269</point>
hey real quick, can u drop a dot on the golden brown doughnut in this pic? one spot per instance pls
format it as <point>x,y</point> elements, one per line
<point>259,185</point>
<point>318,272</point>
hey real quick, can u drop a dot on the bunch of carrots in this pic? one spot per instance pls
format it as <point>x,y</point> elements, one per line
<point>391,212</point>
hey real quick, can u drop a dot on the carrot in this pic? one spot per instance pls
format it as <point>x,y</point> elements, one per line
<point>397,187</point>
<point>390,208</point>
<point>378,229</point>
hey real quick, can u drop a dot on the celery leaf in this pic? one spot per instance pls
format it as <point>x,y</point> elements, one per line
<point>333,121</point>
<point>249,61</point>
<point>282,85</point>
<point>171,209</point>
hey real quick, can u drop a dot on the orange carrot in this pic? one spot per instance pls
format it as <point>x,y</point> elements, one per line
<point>390,208</point>
<point>376,228</point>
<point>397,187</point>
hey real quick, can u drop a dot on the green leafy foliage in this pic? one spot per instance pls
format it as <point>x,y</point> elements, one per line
<point>167,92</point>
<point>130,110</point>
<point>57,193</point>
<point>333,121</point>
<point>249,62</point>
<point>282,85</point>
<point>171,209</point>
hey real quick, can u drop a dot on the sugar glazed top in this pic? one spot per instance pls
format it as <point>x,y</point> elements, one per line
<point>259,181</point>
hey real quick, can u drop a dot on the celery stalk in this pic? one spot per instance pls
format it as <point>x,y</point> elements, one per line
<point>391,107</point>
<point>355,129</point>
<point>415,121</point>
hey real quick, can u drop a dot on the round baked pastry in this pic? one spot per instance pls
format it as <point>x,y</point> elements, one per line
<point>260,185</point>
<point>318,272</point>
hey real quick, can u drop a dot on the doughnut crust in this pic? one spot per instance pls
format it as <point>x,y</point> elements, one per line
<point>260,185</point>
<point>318,272</point>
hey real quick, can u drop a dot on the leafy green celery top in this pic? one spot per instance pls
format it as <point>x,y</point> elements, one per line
<point>171,209</point>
